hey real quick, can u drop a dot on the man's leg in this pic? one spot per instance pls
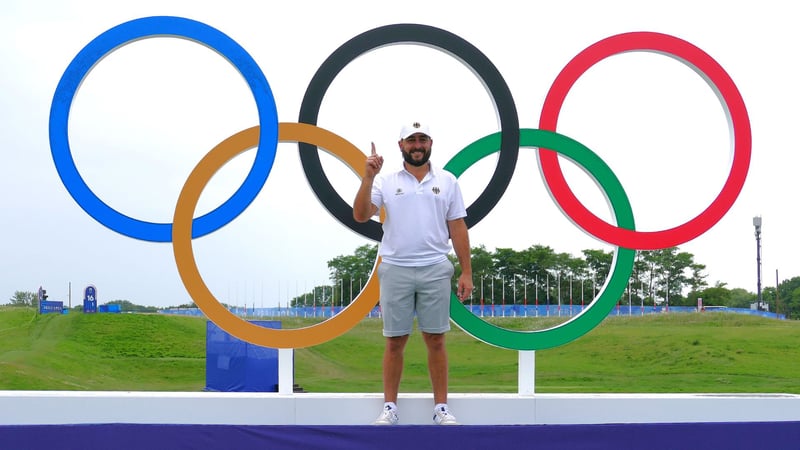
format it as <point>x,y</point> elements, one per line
<point>433,316</point>
<point>437,365</point>
<point>393,366</point>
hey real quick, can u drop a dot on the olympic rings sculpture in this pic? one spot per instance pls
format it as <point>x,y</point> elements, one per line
<point>507,143</point>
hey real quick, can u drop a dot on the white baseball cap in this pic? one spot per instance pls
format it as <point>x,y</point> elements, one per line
<point>415,127</point>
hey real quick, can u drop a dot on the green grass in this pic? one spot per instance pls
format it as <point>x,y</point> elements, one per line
<point>711,352</point>
<point>100,352</point>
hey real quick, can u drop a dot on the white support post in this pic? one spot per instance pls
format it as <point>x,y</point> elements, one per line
<point>526,372</point>
<point>286,371</point>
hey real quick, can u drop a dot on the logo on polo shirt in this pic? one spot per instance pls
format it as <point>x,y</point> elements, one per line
<point>399,191</point>
<point>436,190</point>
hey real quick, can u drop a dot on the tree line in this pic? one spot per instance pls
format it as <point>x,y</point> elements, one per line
<point>667,277</point>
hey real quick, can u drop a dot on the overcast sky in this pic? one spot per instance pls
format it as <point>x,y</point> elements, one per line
<point>146,115</point>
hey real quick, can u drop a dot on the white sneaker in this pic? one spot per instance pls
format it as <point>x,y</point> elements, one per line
<point>388,417</point>
<point>442,416</point>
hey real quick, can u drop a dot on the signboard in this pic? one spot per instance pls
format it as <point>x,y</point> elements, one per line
<point>90,299</point>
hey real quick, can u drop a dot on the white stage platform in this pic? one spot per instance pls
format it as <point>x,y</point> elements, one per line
<point>80,407</point>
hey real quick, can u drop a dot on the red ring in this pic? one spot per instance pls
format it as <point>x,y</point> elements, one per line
<point>737,116</point>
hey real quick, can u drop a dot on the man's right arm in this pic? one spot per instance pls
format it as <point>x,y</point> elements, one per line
<point>363,208</point>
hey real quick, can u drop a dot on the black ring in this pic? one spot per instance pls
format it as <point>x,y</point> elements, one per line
<point>443,40</point>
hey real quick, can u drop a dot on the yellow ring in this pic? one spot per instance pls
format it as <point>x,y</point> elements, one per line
<point>187,265</point>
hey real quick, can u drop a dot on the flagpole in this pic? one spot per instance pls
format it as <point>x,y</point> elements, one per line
<point>536,293</point>
<point>525,294</point>
<point>492,296</point>
<point>482,297</point>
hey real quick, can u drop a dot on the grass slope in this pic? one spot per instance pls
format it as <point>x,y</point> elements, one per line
<point>101,352</point>
<point>711,352</point>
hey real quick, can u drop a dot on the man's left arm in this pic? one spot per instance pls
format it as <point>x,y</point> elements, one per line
<point>459,235</point>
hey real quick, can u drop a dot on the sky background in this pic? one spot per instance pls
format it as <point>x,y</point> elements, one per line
<point>146,114</point>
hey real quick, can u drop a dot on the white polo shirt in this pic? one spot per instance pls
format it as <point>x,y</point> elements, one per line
<point>415,231</point>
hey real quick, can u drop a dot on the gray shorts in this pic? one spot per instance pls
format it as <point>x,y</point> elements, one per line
<point>421,290</point>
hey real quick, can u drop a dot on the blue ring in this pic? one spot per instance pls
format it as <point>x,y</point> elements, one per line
<point>119,36</point>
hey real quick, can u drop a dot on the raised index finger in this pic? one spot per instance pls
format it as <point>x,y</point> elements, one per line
<point>373,148</point>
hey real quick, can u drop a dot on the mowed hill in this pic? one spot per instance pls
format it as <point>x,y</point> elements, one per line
<point>708,352</point>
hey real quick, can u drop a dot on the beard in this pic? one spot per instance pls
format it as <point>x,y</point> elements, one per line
<point>417,162</point>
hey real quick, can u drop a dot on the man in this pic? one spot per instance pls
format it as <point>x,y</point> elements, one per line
<point>424,211</point>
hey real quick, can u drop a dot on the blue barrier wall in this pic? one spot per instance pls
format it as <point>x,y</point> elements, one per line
<point>233,365</point>
<point>481,311</point>
<point>113,308</point>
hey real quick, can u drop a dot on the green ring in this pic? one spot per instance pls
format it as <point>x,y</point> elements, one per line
<point>622,265</point>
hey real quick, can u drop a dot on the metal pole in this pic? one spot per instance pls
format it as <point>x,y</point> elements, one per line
<point>777,294</point>
<point>514,290</point>
<point>503,296</point>
<point>757,225</point>
<point>558,282</point>
<point>482,296</point>
<point>525,294</point>
<point>547,291</point>
<point>583,298</point>
<point>536,293</point>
